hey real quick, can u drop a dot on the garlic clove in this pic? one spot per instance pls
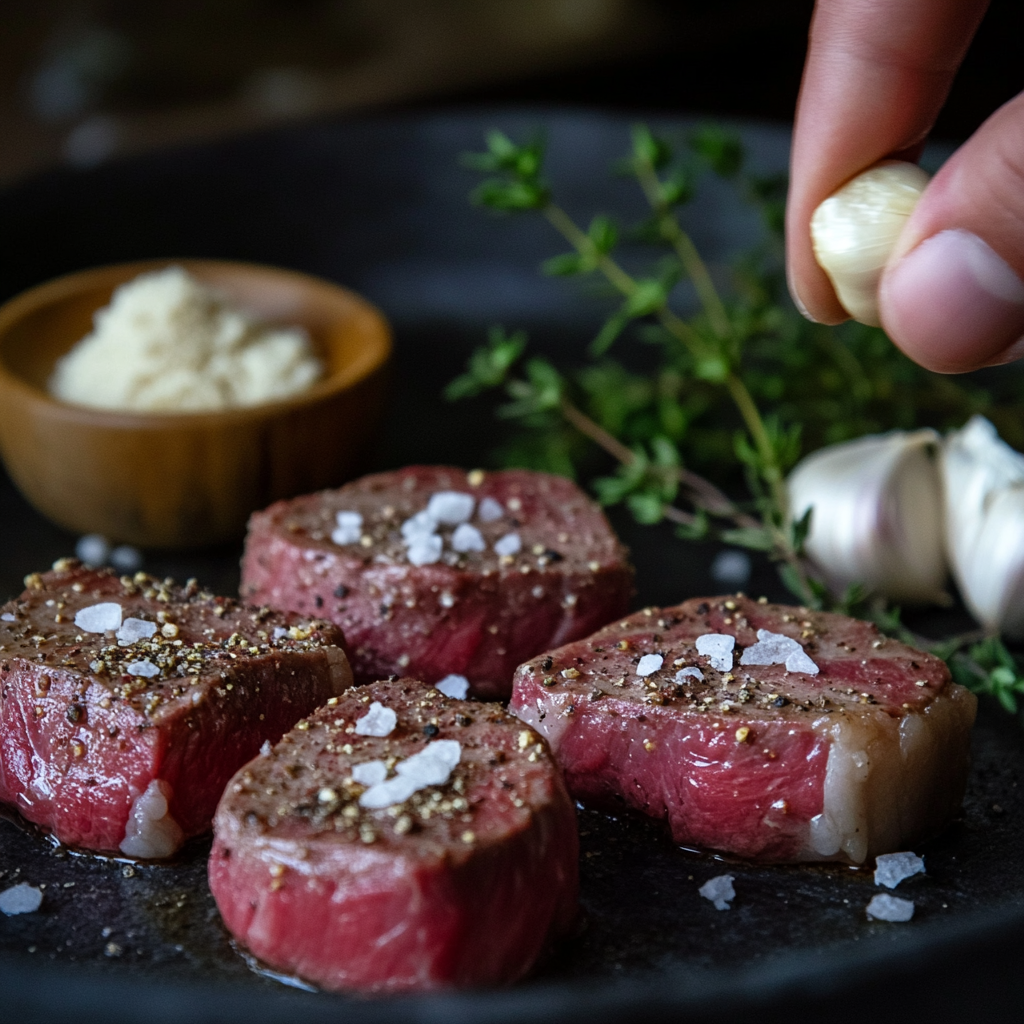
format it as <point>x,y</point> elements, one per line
<point>983,484</point>
<point>877,515</point>
<point>854,232</point>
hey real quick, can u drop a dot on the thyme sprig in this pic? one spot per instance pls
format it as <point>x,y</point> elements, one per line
<point>743,384</point>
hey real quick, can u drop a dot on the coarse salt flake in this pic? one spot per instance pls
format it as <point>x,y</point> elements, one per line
<point>133,629</point>
<point>489,510</point>
<point>892,868</point>
<point>144,668</point>
<point>9,617</point>
<point>453,686</point>
<point>265,749</point>
<point>449,508</point>
<point>418,526</point>
<point>378,721</point>
<point>690,672</point>
<point>717,648</point>
<point>719,890</point>
<point>349,528</point>
<point>98,618</point>
<point>467,538</point>
<point>432,766</point>
<point>884,907</point>
<point>648,664</point>
<point>369,773</point>
<point>20,899</point>
<point>508,545</point>
<point>279,633</point>
<point>425,550</point>
<point>778,649</point>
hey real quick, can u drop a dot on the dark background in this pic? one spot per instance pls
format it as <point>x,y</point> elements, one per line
<point>84,80</point>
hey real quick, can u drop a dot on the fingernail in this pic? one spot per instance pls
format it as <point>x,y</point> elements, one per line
<point>952,303</point>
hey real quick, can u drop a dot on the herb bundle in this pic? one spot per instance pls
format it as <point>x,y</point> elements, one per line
<point>743,385</point>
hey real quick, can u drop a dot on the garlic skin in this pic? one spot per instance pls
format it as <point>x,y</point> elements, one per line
<point>877,516</point>
<point>854,232</point>
<point>983,485</point>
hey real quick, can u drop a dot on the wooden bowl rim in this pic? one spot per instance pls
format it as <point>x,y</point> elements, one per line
<point>369,360</point>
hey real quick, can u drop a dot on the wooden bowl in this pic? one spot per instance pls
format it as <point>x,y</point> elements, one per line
<point>184,480</point>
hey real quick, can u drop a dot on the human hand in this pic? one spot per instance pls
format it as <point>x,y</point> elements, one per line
<point>877,73</point>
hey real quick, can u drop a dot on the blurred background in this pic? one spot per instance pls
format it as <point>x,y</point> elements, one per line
<point>82,81</point>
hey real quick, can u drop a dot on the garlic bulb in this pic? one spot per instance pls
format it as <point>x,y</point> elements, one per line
<point>983,483</point>
<point>877,514</point>
<point>854,232</point>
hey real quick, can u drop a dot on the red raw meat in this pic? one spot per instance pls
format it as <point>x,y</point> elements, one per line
<point>88,751</point>
<point>461,884</point>
<point>476,613</point>
<point>867,756</point>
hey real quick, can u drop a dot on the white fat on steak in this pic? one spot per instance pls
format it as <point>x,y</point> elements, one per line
<point>873,779</point>
<point>151,831</point>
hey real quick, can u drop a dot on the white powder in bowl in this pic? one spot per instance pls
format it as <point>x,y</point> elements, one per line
<point>167,343</point>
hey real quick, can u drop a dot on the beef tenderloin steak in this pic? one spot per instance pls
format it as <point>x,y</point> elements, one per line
<point>126,704</point>
<point>432,571</point>
<point>772,732</point>
<point>455,871</point>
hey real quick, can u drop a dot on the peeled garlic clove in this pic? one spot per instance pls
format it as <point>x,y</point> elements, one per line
<point>877,516</point>
<point>983,483</point>
<point>854,232</point>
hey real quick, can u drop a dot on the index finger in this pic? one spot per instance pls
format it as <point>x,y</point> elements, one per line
<point>876,76</point>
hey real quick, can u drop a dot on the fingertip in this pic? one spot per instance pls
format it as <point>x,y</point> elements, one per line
<point>952,303</point>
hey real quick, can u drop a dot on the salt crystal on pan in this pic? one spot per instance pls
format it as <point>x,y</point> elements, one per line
<point>378,721</point>
<point>144,668</point>
<point>778,649</point>
<point>508,545</point>
<point>9,617</point>
<point>690,672</point>
<point>349,529</point>
<point>125,558</point>
<point>649,663</point>
<point>93,549</point>
<point>489,510</point>
<point>417,526</point>
<point>133,629</point>
<point>892,868</point>
<point>453,686</point>
<point>884,907</point>
<point>279,633</point>
<point>467,538</point>
<point>719,890</point>
<point>432,766</point>
<point>369,773</point>
<point>20,899</point>
<point>450,507</point>
<point>717,648</point>
<point>98,618</point>
<point>425,550</point>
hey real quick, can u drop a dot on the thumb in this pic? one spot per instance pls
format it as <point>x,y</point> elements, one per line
<point>952,295</point>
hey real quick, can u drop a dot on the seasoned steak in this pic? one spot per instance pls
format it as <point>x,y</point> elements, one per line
<point>431,571</point>
<point>772,732</point>
<point>126,704</point>
<point>398,840</point>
